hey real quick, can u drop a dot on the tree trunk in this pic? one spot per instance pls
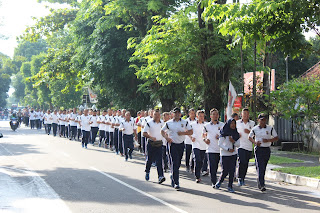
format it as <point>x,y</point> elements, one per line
<point>167,104</point>
<point>214,78</point>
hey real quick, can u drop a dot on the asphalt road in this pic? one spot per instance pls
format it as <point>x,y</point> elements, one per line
<point>41,173</point>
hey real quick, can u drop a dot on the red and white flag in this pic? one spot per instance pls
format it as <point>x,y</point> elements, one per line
<point>231,98</point>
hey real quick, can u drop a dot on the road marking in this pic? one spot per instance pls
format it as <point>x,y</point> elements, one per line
<point>312,202</point>
<point>140,191</point>
<point>35,196</point>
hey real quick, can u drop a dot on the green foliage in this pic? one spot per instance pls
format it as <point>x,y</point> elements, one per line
<point>299,100</point>
<point>279,22</point>
<point>28,49</point>
<point>5,73</point>
<point>48,25</point>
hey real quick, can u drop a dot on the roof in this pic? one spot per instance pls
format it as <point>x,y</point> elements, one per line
<point>313,71</point>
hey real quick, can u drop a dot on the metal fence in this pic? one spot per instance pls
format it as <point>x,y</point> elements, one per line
<point>286,130</point>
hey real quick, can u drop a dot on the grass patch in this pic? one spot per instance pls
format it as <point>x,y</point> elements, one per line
<point>277,160</point>
<point>313,172</point>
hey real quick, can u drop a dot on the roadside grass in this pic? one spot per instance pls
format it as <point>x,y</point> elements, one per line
<point>277,160</point>
<point>313,172</point>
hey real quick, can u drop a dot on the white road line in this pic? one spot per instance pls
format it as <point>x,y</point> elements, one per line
<point>140,191</point>
<point>35,196</point>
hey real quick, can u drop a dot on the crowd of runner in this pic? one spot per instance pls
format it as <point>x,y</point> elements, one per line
<point>165,138</point>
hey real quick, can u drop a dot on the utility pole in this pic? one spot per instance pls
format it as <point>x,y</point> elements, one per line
<point>255,82</point>
<point>287,69</point>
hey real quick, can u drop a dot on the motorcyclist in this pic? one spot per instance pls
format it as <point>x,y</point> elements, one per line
<point>13,117</point>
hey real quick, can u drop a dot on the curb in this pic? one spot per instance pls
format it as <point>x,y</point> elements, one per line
<point>293,179</point>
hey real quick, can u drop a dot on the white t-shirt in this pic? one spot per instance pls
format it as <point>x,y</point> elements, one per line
<point>63,118</point>
<point>55,118</point>
<point>197,134</point>
<point>110,120</point>
<point>48,118</point>
<point>94,119</point>
<point>212,131</point>
<point>128,127</point>
<point>173,127</point>
<point>78,119</point>
<point>32,116</point>
<point>154,129</point>
<point>41,114</point>
<point>116,121</point>
<point>188,139</point>
<point>85,125</point>
<point>72,122</point>
<point>263,133</point>
<point>102,126</point>
<point>245,143</point>
<point>37,115</point>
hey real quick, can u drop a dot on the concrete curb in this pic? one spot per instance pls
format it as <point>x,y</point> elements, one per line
<point>293,179</point>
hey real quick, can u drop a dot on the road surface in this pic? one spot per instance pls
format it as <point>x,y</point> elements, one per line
<point>41,173</point>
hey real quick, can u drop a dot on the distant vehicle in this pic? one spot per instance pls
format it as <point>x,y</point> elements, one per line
<point>14,124</point>
<point>14,107</point>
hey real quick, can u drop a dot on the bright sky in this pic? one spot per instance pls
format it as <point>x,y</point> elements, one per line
<point>15,16</point>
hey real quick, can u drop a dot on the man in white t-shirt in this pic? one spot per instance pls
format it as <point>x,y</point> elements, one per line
<point>174,131</point>
<point>128,129</point>
<point>262,136</point>
<point>211,133</point>
<point>94,126</point>
<point>244,127</point>
<point>85,128</point>
<point>188,143</point>
<point>152,131</point>
<point>55,122</point>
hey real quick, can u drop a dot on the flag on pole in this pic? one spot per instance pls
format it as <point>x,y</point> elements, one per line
<point>231,98</point>
<point>92,96</point>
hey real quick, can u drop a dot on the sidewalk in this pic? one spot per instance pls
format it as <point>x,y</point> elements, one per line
<point>308,161</point>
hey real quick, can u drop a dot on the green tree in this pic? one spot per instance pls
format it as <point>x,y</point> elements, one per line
<point>5,74</point>
<point>299,100</point>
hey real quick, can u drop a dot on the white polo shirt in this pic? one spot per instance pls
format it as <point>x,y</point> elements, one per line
<point>110,120</point>
<point>48,118</point>
<point>188,139</point>
<point>78,119</point>
<point>128,127</point>
<point>62,121</point>
<point>37,115</point>
<point>55,118</point>
<point>173,127</point>
<point>154,129</point>
<point>245,143</point>
<point>85,125</point>
<point>197,134</point>
<point>212,131</point>
<point>74,117</point>
<point>116,121</point>
<point>102,126</point>
<point>107,125</point>
<point>263,133</point>
<point>94,119</point>
<point>31,116</point>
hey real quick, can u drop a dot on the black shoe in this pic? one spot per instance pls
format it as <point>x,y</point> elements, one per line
<point>263,189</point>
<point>161,180</point>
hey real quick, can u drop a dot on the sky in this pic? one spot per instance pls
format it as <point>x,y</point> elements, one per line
<point>15,16</point>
